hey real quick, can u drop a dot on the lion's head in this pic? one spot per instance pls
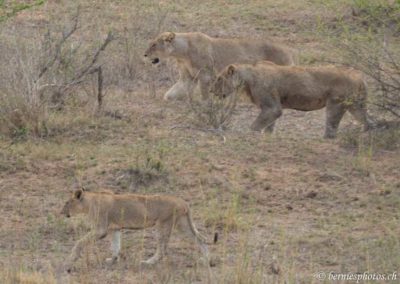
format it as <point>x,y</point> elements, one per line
<point>74,205</point>
<point>161,47</point>
<point>226,83</point>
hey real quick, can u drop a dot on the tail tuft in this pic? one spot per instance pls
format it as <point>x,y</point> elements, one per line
<point>215,238</point>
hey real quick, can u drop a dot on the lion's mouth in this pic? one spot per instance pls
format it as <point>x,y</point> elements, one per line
<point>155,60</point>
<point>219,95</point>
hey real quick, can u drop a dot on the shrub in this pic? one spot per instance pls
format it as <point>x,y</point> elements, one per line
<point>212,112</point>
<point>370,46</point>
<point>39,69</point>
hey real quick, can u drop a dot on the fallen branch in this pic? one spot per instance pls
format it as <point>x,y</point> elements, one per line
<point>212,130</point>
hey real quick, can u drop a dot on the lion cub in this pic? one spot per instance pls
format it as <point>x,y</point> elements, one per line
<point>273,88</point>
<point>111,213</point>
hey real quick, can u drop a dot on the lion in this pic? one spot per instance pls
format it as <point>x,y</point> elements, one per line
<point>200,56</point>
<point>111,213</point>
<point>273,88</point>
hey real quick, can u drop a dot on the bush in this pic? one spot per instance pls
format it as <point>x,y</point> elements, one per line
<point>39,69</point>
<point>212,112</point>
<point>370,46</point>
<point>22,110</point>
<point>385,137</point>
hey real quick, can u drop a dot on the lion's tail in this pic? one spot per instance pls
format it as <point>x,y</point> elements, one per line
<point>197,233</point>
<point>294,57</point>
<point>363,91</point>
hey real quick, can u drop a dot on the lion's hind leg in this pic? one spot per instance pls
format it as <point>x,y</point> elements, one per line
<point>334,114</point>
<point>164,232</point>
<point>185,225</point>
<point>359,111</point>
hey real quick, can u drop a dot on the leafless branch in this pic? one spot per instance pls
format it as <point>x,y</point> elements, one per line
<point>58,48</point>
<point>95,58</point>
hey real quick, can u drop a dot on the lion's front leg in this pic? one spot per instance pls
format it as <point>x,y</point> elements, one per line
<point>266,119</point>
<point>271,109</point>
<point>77,249</point>
<point>270,126</point>
<point>181,88</point>
<point>178,90</point>
<point>115,247</point>
<point>205,81</point>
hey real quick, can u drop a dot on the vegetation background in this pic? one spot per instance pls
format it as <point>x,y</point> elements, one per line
<point>286,205</point>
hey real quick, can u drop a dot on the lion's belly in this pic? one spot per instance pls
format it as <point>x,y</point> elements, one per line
<point>133,224</point>
<point>303,103</point>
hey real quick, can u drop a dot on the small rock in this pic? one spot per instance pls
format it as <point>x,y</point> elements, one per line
<point>245,195</point>
<point>267,186</point>
<point>311,194</point>
<point>330,176</point>
<point>385,192</point>
<point>275,268</point>
<point>214,261</point>
<point>355,11</point>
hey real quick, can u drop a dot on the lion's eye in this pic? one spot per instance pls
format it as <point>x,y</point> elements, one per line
<point>153,45</point>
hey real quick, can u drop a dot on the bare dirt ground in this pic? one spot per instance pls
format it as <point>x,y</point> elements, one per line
<point>285,205</point>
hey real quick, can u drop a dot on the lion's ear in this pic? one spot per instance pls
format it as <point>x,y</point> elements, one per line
<point>169,37</point>
<point>231,70</point>
<point>78,194</point>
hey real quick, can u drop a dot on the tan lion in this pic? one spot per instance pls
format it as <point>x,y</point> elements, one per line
<point>273,88</point>
<point>111,213</point>
<point>199,56</point>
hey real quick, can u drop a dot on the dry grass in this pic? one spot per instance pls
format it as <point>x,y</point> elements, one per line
<point>26,277</point>
<point>285,205</point>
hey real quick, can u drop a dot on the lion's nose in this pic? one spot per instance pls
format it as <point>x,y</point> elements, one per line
<point>145,55</point>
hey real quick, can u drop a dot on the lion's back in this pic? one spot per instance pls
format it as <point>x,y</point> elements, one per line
<point>308,82</point>
<point>154,204</point>
<point>225,51</point>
